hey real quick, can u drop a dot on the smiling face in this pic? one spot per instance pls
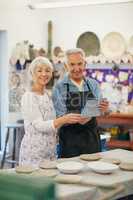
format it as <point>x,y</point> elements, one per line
<point>76,66</point>
<point>42,75</point>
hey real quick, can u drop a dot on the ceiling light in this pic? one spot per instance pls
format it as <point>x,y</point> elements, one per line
<point>63,4</point>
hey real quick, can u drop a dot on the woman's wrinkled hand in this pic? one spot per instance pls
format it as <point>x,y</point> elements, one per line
<point>84,120</point>
<point>71,118</point>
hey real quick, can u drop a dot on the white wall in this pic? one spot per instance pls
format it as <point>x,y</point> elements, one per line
<point>3,81</point>
<point>22,23</point>
<point>68,23</point>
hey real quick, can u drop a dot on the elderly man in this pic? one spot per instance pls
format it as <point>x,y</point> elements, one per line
<point>70,96</point>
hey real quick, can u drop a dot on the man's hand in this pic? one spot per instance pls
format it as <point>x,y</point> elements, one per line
<point>104,106</point>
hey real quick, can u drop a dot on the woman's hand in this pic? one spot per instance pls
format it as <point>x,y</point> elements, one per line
<point>70,118</point>
<point>84,120</point>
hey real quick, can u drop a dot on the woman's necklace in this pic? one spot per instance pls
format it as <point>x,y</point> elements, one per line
<point>37,99</point>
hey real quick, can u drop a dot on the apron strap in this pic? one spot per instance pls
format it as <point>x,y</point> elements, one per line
<point>91,93</point>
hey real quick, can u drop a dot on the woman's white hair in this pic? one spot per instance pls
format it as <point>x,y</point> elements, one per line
<point>40,60</point>
<point>74,51</point>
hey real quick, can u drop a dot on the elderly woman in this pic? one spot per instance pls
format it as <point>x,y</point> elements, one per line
<point>39,141</point>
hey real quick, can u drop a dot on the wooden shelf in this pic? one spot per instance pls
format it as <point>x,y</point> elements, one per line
<point>124,119</point>
<point>120,144</point>
<point>118,119</point>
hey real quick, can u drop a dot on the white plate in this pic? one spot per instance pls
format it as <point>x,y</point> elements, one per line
<point>113,45</point>
<point>48,164</point>
<point>70,167</point>
<point>102,167</point>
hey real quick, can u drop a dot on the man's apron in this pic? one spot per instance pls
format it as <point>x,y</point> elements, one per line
<point>76,139</point>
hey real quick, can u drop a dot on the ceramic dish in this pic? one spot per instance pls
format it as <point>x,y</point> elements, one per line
<point>46,164</point>
<point>90,43</point>
<point>128,166</point>
<point>111,160</point>
<point>113,45</point>
<point>25,169</point>
<point>70,167</point>
<point>102,167</point>
<point>130,45</point>
<point>90,157</point>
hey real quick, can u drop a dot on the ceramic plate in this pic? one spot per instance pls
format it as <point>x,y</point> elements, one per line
<point>70,167</point>
<point>127,166</point>
<point>130,45</point>
<point>102,167</point>
<point>89,42</point>
<point>113,45</point>
<point>26,169</point>
<point>90,157</point>
<point>47,164</point>
<point>47,172</point>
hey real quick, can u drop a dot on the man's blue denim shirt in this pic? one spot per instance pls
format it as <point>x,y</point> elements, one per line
<point>59,93</point>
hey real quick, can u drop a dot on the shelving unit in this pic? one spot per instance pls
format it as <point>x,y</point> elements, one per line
<point>118,119</point>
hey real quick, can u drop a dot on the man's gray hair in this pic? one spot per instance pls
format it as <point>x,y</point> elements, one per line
<point>38,61</point>
<point>74,51</point>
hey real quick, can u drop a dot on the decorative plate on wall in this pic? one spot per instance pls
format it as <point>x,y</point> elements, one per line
<point>113,45</point>
<point>89,42</point>
<point>130,45</point>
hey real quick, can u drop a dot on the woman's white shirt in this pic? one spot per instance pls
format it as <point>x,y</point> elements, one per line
<point>39,141</point>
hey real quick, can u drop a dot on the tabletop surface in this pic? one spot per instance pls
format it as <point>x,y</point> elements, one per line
<point>96,192</point>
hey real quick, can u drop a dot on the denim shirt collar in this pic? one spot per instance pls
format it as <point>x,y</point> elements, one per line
<point>67,80</point>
